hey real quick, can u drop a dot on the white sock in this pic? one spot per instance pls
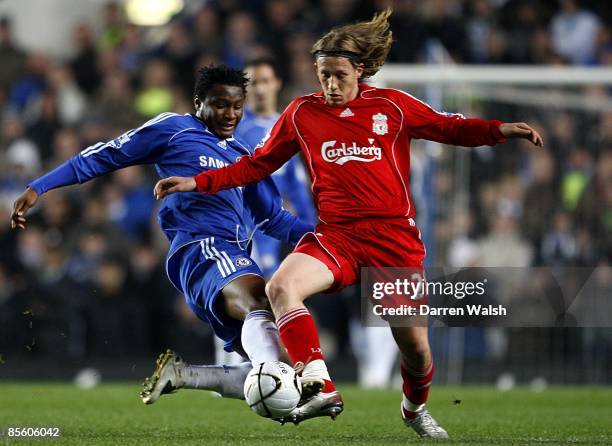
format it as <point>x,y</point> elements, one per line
<point>259,337</point>
<point>227,380</point>
<point>316,369</point>
<point>410,406</point>
<point>223,357</point>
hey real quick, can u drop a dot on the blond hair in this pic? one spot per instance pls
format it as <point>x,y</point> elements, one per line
<point>369,41</point>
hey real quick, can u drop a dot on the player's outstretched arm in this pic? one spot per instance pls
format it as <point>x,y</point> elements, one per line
<point>21,206</point>
<point>63,175</point>
<point>250,169</point>
<point>277,147</point>
<point>521,130</point>
<point>138,146</point>
<point>452,128</point>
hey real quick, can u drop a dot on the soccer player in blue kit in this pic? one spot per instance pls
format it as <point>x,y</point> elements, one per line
<point>208,260</point>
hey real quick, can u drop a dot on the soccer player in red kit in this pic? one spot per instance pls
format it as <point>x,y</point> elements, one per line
<point>356,142</point>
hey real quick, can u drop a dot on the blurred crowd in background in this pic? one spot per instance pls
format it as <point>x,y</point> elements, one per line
<point>87,276</point>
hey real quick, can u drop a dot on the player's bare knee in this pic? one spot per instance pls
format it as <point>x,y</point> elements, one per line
<point>239,305</point>
<point>275,290</point>
<point>258,302</point>
<point>415,348</point>
<point>280,290</point>
<point>416,354</point>
<point>422,351</point>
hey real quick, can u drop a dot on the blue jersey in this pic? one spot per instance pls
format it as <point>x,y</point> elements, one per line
<point>182,145</point>
<point>252,128</point>
<point>291,181</point>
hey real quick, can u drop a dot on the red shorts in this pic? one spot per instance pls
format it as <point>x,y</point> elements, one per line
<point>346,248</point>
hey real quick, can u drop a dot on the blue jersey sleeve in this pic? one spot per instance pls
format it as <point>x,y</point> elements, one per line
<point>63,175</point>
<point>265,204</point>
<point>142,145</point>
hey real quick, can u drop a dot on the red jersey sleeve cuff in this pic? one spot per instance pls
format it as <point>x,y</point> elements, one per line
<point>496,133</point>
<point>202,182</point>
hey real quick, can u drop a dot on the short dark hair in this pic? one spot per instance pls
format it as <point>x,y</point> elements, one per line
<point>269,61</point>
<point>218,75</point>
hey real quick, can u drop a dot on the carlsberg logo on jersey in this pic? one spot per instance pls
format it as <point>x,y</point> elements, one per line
<point>343,154</point>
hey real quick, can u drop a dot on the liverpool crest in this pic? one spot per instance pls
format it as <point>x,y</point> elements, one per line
<point>379,124</point>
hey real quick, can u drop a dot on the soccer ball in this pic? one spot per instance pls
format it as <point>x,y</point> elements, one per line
<point>272,389</point>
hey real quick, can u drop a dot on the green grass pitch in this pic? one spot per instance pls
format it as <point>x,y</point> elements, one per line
<point>113,414</point>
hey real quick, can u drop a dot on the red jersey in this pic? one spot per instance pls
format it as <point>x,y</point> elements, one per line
<point>358,154</point>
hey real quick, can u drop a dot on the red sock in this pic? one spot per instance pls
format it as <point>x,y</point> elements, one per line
<point>416,386</point>
<point>299,334</point>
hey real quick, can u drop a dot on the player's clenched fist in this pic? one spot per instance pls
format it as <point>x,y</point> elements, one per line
<point>21,206</point>
<point>171,185</point>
